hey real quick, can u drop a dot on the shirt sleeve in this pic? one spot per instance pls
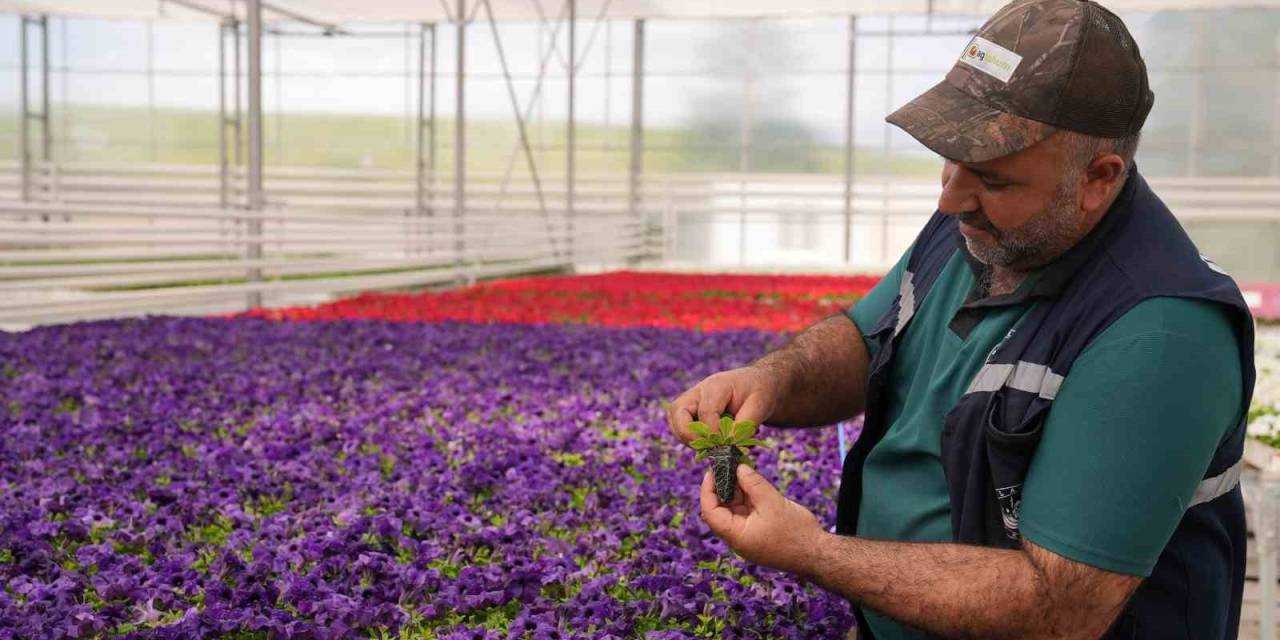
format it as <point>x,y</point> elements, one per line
<point>866,312</point>
<point>1131,434</point>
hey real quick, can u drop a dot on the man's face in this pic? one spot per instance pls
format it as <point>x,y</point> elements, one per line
<point>1017,212</point>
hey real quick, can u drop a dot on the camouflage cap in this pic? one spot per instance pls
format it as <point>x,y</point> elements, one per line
<point>1035,67</point>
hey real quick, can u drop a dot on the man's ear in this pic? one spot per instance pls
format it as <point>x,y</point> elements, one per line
<point>1102,179</point>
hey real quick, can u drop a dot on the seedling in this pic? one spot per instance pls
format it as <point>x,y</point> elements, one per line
<point>725,447</point>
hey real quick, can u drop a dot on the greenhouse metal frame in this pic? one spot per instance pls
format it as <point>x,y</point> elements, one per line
<point>241,194</point>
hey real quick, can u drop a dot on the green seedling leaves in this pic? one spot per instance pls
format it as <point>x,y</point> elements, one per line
<point>734,434</point>
<point>702,443</point>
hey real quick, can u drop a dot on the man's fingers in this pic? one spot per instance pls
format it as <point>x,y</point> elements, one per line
<point>681,412</point>
<point>716,516</point>
<point>712,403</point>
<point>752,409</point>
<point>755,487</point>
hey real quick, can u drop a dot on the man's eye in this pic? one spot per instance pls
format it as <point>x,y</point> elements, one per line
<point>994,186</point>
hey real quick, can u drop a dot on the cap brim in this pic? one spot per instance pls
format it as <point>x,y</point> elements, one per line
<point>958,127</point>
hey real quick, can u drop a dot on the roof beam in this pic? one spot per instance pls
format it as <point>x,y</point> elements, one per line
<point>328,27</point>
<point>195,6</point>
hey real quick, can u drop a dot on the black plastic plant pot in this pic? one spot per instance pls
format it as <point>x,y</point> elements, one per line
<point>724,466</point>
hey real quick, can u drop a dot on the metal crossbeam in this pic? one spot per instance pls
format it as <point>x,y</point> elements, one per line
<point>595,29</point>
<point>328,27</point>
<point>528,111</point>
<point>520,123</point>
<point>542,24</point>
<point>200,8</point>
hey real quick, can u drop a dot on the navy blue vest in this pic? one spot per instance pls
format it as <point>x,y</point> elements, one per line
<point>1136,252</point>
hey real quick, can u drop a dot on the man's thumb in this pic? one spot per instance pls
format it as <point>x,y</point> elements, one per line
<point>754,485</point>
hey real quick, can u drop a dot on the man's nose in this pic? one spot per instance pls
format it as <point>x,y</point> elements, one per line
<point>959,190</point>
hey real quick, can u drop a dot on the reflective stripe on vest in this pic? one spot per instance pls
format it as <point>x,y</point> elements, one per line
<point>1217,486</point>
<point>1024,376</point>
<point>907,301</point>
<point>1040,380</point>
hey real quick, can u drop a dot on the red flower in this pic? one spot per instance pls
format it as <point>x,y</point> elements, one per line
<point>618,299</point>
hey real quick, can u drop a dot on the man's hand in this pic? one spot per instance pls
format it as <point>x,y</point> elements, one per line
<point>948,590</point>
<point>748,393</point>
<point>761,525</point>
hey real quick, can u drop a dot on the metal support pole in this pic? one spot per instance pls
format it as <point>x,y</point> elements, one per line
<point>460,138</point>
<point>431,147</point>
<point>419,165</point>
<point>744,139</point>
<point>571,133</point>
<point>64,118</point>
<point>637,121</point>
<point>151,91</point>
<point>1197,97</point>
<point>1265,539</point>
<point>888,147</point>
<point>46,123</point>
<point>235,83</point>
<point>424,152</point>
<point>538,99</point>
<point>279,128</point>
<point>24,110</point>
<point>25,114</point>
<point>255,200</point>
<point>1275,108</point>
<point>849,138</point>
<point>223,195</point>
<point>409,78</point>
<point>608,79</point>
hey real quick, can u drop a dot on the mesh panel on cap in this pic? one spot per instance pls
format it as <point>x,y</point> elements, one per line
<point>1107,95</point>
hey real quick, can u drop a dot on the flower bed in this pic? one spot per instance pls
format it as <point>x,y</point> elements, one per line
<point>242,478</point>
<point>620,299</point>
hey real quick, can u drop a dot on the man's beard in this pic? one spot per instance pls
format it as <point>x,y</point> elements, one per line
<point>1037,241</point>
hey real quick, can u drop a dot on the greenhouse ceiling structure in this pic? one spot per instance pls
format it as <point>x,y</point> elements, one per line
<point>338,11</point>
<point>248,21</point>
<point>327,17</point>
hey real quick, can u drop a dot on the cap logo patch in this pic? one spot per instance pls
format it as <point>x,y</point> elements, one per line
<point>991,58</point>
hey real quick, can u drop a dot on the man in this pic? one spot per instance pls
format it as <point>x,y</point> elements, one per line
<point>1054,381</point>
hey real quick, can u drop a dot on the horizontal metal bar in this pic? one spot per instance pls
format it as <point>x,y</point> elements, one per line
<point>387,242</point>
<point>188,267</point>
<point>120,242</point>
<point>652,180</point>
<point>195,6</point>
<point>110,302</point>
<point>328,27</point>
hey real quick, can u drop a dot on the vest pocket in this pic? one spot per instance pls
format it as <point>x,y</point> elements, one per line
<point>1009,446</point>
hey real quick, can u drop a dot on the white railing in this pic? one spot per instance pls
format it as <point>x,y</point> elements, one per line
<point>104,240</point>
<point>101,241</point>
